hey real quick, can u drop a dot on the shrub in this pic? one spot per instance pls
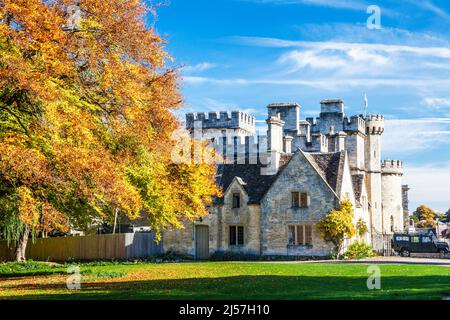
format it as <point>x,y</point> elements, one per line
<point>361,227</point>
<point>172,256</point>
<point>338,225</point>
<point>358,250</point>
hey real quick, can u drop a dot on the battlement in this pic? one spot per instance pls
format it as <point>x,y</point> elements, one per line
<point>374,124</point>
<point>355,124</point>
<point>222,120</point>
<point>392,167</point>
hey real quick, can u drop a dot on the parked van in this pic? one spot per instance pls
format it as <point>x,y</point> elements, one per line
<point>405,244</point>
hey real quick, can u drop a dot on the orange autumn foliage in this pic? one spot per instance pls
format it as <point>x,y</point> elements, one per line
<point>87,118</point>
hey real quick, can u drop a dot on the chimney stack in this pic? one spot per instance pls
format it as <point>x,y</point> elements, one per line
<point>288,144</point>
<point>275,144</point>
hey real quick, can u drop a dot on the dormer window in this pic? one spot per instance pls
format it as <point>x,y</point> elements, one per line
<point>236,201</point>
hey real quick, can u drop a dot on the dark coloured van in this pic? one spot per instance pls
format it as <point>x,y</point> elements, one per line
<point>405,244</point>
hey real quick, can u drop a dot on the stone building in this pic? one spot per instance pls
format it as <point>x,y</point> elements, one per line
<point>276,188</point>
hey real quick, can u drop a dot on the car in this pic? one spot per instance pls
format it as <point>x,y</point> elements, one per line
<point>405,244</point>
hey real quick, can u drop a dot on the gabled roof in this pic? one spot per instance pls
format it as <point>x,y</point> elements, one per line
<point>330,166</point>
<point>254,184</point>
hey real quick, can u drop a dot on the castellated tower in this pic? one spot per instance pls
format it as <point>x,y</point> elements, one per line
<point>222,124</point>
<point>391,190</point>
<point>374,131</point>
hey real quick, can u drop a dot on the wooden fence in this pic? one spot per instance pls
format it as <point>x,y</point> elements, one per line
<point>95,247</point>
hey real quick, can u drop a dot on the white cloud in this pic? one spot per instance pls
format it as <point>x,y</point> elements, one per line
<point>439,52</point>
<point>313,59</point>
<point>335,65</point>
<point>436,102</point>
<point>420,134</point>
<point>327,83</point>
<point>345,62</point>
<point>430,6</point>
<point>428,183</point>
<point>200,67</point>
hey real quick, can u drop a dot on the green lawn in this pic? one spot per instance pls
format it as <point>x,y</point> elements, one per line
<point>217,280</point>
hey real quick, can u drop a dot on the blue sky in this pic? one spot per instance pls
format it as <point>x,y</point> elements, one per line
<point>245,54</point>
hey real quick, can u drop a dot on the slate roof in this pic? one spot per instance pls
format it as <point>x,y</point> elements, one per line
<point>357,180</point>
<point>329,165</point>
<point>255,184</point>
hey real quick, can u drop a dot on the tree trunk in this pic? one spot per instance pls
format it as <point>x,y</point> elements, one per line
<point>116,212</point>
<point>338,247</point>
<point>22,244</point>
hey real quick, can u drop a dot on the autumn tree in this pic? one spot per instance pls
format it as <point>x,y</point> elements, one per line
<point>338,225</point>
<point>86,121</point>
<point>425,216</point>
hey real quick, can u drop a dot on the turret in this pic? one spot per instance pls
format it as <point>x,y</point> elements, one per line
<point>392,167</point>
<point>374,131</point>
<point>392,196</point>
<point>213,125</point>
<point>375,125</point>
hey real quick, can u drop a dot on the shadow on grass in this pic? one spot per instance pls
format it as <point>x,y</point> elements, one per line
<point>248,287</point>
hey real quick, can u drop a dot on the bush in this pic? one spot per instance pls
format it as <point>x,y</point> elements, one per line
<point>172,256</point>
<point>358,250</point>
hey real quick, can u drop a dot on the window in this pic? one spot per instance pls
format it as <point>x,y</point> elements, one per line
<point>426,240</point>
<point>236,235</point>
<point>295,199</point>
<point>300,200</point>
<point>415,239</point>
<point>236,200</point>
<point>300,235</point>
<point>304,200</point>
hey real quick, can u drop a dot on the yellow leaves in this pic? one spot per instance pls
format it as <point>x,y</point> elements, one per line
<point>40,216</point>
<point>52,219</point>
<point>28,207</point>
<point>338,224</point>
<point>20,164</point>
<point>102,124</point>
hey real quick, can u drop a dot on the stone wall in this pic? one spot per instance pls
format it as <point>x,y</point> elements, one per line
<point>183,240</point>
<point>277,212</point>
<point>247,216</point>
